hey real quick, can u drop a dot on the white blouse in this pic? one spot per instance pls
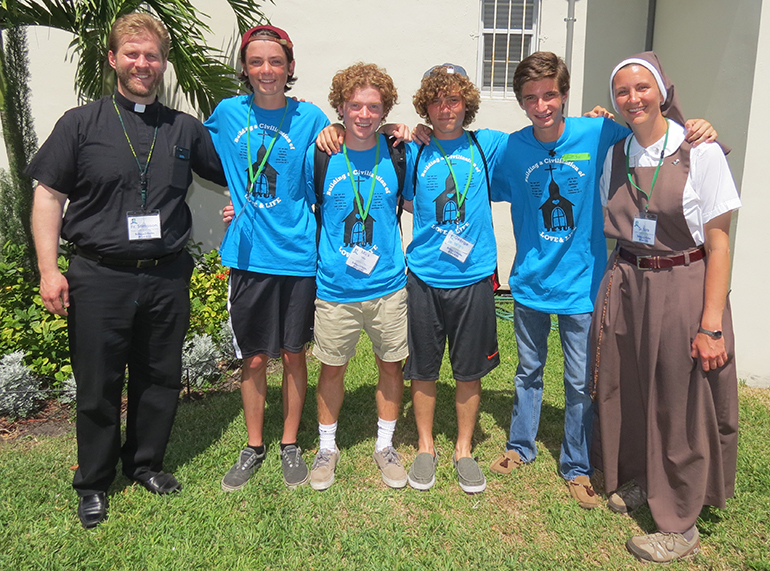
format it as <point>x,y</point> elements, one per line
<point>710,189</point>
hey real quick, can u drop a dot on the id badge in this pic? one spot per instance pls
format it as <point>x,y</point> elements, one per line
<point>456,246</point>
<point>644,228</point>
<point>362,260</point>
<point>143,225</point>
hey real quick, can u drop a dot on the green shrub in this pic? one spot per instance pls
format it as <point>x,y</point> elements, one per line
<point>208,294</point>
<point>26,325</point>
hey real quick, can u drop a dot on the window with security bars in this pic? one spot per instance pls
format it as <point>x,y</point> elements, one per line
<point>508,35</point>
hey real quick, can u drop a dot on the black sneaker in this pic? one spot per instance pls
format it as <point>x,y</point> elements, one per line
<point>295,472</point>
<point>248,463</point>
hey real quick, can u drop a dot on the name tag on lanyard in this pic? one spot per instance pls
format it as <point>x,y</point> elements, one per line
<point>362,260</point>
<point>644,228</point>
<point>456,246</point>
<point>143,225</point>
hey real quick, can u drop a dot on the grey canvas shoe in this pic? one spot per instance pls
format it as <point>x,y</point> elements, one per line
<point>248,463</point>
<point>295,472</point>
<point>422,473</point>
<point>469,475</point>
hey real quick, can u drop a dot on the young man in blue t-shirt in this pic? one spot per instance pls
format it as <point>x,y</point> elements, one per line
<point>270,245</point>
<point>451,259</point>
<point>550,175</point>
<point>361,275</point>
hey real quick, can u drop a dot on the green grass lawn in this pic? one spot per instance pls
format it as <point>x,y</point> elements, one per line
<point>523,521</point>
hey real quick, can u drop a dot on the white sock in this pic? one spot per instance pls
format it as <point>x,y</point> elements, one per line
<point>385,430</point>
<point>327,434</point>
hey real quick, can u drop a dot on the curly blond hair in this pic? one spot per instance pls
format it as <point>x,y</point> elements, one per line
<point>441,83</point>
<point>358,75</point>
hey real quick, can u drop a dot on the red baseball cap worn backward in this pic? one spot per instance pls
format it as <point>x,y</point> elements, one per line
<point>283,37</point>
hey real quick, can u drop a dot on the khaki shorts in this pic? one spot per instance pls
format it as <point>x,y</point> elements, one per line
<point>338,327</point>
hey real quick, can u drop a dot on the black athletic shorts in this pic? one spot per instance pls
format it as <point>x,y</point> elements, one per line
<point>269,313</point>
<point>465,316</point>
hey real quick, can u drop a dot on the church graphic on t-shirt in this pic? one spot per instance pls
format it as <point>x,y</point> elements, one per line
<point>264,185</point>
<point>557,210</point>
<point>358,232</point>
<point>447,211</point>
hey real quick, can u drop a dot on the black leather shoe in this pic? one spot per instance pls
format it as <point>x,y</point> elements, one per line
<point>92,509</point>
<point>159,482</point>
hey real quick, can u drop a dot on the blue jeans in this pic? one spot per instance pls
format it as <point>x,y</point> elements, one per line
<point>532,328</point>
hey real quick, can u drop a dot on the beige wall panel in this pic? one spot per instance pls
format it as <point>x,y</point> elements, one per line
<point>615,30</point>
<point>709,48</point>
<point>751,305</point>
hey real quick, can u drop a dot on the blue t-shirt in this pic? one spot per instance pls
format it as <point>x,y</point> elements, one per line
<point>273,231</point>
<point>439,208</point>
<point>343,228</point>
<point>557,213</point>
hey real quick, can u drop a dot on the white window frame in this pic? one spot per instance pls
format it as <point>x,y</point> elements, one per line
<point>504,33</point>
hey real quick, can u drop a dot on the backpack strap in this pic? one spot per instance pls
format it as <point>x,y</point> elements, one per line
<point>495,276</point>
<point>398,158</point>
<point>414,182</point>
<point>416,164</point>
<point>320,166</point>
<point>484,160</point>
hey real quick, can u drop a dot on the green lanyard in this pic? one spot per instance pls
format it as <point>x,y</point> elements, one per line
<point>253,177</point>
<point>361,211</point>
<point>142,170</point>
<point>461,198</point>
<point>654,177</point>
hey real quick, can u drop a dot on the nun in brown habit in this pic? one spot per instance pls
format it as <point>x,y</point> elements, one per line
<point>664,378</point>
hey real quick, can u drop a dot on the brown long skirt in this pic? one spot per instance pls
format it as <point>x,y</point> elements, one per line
<point>660,419</point>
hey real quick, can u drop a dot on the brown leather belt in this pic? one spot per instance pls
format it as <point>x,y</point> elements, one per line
<point>662,262</point>
<point>124,262</point>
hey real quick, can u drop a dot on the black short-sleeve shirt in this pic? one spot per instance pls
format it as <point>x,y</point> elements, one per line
<point>88,158</point>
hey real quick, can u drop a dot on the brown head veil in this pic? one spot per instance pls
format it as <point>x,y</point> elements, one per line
<point>670,107</point>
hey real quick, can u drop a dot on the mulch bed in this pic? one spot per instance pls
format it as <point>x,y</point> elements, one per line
<point>52,420</point>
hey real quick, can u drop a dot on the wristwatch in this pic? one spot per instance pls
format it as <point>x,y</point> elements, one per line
<point>713,334</point>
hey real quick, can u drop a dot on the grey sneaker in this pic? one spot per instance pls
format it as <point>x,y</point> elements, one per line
<point>295,472</point>
<point>391,468</point>
<point>322,473</point>
<point>663,547</point>
<point>248,463</point>
<point>627,498</point>
<point>471,479</point>
<point>422,473</point>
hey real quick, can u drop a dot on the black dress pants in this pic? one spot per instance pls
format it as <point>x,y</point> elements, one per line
<point>118,318</point>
